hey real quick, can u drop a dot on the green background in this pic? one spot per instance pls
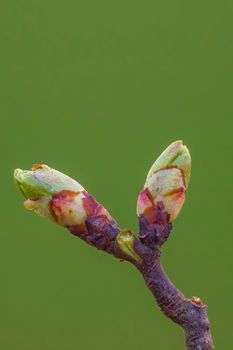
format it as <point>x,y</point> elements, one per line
<point>97,89</point>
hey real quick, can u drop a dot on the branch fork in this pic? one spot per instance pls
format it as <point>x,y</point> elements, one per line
<point>64,201</point>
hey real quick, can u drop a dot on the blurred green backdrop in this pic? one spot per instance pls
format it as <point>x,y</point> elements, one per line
<point>98,89</point>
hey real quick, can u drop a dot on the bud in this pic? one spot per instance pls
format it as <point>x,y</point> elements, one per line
<point>125,240</point>
<point>56,196</point>
<point>166,183</point>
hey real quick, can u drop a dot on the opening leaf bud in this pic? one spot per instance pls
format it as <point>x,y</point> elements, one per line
<point>56,196</point>
<point>167,182</point>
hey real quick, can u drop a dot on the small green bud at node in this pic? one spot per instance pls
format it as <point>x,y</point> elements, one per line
<point>125,240</point>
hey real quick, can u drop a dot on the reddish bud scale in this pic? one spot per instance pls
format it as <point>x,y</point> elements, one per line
<point>98,229</point>
<point>154,223</point>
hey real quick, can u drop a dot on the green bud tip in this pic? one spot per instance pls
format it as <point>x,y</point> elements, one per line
<point>40,184</point>
<point>176,154</point>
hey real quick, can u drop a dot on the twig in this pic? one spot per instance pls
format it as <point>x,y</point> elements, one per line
<point>56,196</point>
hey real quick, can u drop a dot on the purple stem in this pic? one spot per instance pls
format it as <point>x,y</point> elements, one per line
<point>190,314</point>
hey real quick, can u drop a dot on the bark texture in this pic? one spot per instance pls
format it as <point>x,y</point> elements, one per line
<point>190,314</point>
